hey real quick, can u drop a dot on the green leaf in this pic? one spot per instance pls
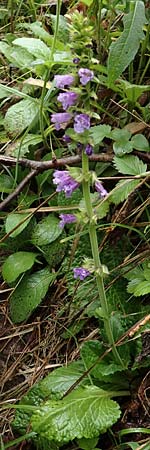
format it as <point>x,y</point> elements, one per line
<point>142,289</point>
<point>133,91</point>
<point>122,190</point>
<point>22,146</point>
<point>122,147</point>
<point>6,183</point>
<point>46,231</point>
<point>123,51</point>
<point>6,91</point>
<point>34,46</point>
<point>63,29</point>
<point>99,132</point>
<point>90,352</point>
<point>16,264</point>
<point>85,412</point>
<point>21,115</point>
<point>139,142</point>
<point>129,165</point>
<point>54,385</point>
<point>102,208</point>
<point>87,2</point>
<point>29,294</point>
<point>14,220</point>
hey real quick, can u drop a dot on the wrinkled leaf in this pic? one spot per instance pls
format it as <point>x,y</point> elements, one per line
<point>22,146</point>
<point>123,51</point>
<point>29,294</point>
<point>130,165</point>
<point>21,115</point>
<point>14,220</point>
<point>16,264</point>
<point>46,231</point>
<point>85,412</point>
<point>54,385</point>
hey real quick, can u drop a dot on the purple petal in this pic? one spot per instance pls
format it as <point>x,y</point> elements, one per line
<point>63,80</point>
<point>99,188</point>
<point>66,218</point>
<point>81,123</point>
<point>85,75</point>
<point>80,272</point>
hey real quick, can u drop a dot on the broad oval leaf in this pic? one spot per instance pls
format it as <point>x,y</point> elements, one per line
<point>18,221</point>
<point>34,46</point>
<point>123,51</point>
<point>29,294</point>
<point>85,412</point>
<point>46,231</point>
<point>21,115</point>
<point>16,264</point>
<point>139,142</point>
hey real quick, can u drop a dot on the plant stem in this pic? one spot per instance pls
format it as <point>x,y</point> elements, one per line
<point>96,258</point>
<point>47,75</point>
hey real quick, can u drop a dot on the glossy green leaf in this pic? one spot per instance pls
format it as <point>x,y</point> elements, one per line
<point>6,183</point>
<point>129,165</point>
<point>46,231</point>
<point>85,412</point>
<point>16,264</point>
<point>123,51</point>
<point>21,115</point>
<point>16,220</point>
<point>29,294</point>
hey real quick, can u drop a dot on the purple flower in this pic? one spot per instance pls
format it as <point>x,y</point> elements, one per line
<point>60,119</point>
<point>66,139</point>
<point>80,272</point>
<point>66,218</point>
<point>88,149</point>
<point>99,188</point>
<point>67,99</point>
<point>76,60</point>
<point>63,80</point>
<point>81,123</point>
<point>85,76</point>
<point>65,182</point>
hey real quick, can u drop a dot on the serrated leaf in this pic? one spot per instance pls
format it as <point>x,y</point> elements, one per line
<point>16,264</point>
<point>29,294</point>
<point>85,412</point>
<point>6,183</point>
<point>54,385</point>
<point>129,165</point>
<point>14,220</point>
<point>123,51</point>
<point>22,146</point>
<point>102,208</point>
<point>99,132</point>
<point>34,46</point>
<point>133,91</point>
<point>90,352</point>
<point>46,231</point>
<point>122,190</point>
<point>139,142</point>
<point>142,289</point>
<point>21,115</point>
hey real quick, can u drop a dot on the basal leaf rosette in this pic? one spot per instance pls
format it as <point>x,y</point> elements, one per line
<point>85,412</point>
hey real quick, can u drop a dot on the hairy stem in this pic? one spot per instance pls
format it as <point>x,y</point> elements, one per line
<point>96,258</point>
